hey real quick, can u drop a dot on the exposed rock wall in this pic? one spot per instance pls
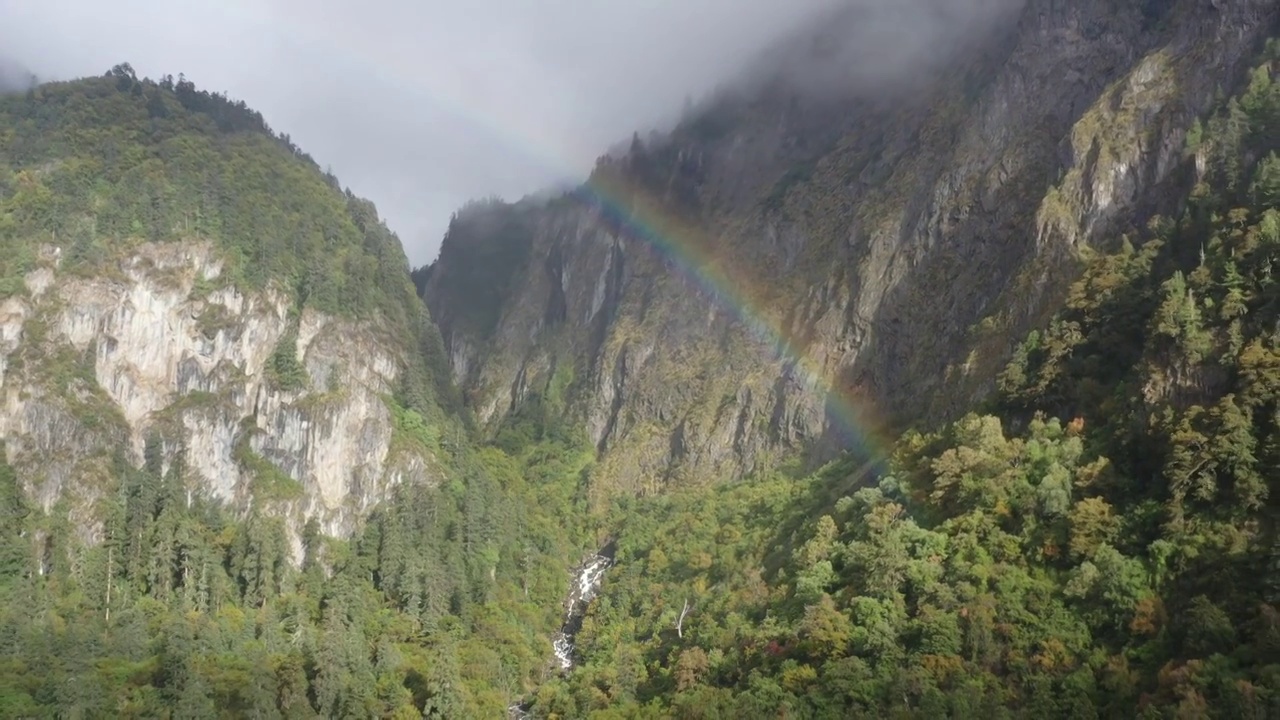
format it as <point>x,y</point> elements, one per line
<point>160,344</point>
<point>899,241</point>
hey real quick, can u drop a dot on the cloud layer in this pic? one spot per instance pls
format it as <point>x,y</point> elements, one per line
<point>860,45</point>
<point>421,105</point>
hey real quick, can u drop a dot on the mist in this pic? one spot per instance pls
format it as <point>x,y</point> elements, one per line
<point>421,106</point>
<point>861,46</point>
<point>14,77</point>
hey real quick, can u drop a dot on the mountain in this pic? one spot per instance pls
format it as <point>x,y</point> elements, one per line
<point>790,256</point>
<point>1049,254</point>
<point>235,477</point>
<point>1098,540</point>
<point>160,287</point>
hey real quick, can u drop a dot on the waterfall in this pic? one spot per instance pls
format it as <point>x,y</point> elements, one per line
<point>589,576</point>
<point>586,583</point>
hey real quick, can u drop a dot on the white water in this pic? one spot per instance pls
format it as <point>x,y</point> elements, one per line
<point>588,583</point>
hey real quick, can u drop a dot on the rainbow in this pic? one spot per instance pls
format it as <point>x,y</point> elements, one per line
<point>682,245</point>
<point>678,242</point>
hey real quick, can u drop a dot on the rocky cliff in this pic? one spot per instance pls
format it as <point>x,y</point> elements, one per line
<point>893,234</point>
<point>180,285</point>
<point>88,364</point>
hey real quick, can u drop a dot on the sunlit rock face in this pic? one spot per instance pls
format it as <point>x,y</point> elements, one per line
<point>159,346</point>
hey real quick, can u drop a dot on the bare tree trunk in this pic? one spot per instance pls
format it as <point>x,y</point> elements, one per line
<point>109,573</point>
<point>680,622</point>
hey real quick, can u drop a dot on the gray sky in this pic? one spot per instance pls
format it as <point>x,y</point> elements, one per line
<point>421,105</point>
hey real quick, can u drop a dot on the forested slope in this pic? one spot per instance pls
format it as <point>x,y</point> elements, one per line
<point>441,606</point>
<point>1099,541</point>
<point>235,480</point>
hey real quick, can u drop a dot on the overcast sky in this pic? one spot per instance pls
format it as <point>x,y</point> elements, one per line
<point>421,105</point>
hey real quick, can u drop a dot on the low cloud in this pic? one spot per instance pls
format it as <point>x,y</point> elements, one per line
<point>423,105</point>
<point>14,77</point>
<point>861,45</point>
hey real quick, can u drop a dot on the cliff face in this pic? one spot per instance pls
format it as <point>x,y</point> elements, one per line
<point>181,287</point>
<point>158,346</point>
<point>899,236</point>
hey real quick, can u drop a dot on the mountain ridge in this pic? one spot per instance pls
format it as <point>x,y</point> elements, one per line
<point>243,329</point>
<point>1100,542</point>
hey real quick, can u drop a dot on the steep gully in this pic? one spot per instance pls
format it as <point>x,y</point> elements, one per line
<point>587,578</point>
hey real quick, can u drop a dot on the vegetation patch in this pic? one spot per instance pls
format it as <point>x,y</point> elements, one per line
<point>100,166</point>
<point>284,369</point>
<point>150,599</point>
<point>268,483</point>
<point>411,431</point>
<point>214,319</point>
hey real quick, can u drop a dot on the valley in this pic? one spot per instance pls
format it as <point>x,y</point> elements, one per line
<point>946,393</point>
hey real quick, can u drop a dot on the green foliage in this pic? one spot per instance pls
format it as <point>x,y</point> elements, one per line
<point>94,169</point>
<point>160,602</point>
<point>284,368</point>
<point>69,375</point>
<point>13,513</point>
<point>1100,543</point>
<point>557,393</point>
<point>267,481</point>
<point>412,430</point>
<point>441,606</point>
<point>541,418</point>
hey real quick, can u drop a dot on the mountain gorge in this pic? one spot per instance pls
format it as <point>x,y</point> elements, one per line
<point>929,369</point>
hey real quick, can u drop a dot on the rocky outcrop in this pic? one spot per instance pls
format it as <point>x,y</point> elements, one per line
<point>161,345</point>
<point>799,267</point>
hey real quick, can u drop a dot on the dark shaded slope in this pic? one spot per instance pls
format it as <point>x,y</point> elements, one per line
<point>898,236</point>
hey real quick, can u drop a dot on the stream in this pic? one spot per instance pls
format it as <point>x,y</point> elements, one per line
<point>586,583</point>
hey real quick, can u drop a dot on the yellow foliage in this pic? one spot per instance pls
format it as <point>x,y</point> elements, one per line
<point>798,679</point>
